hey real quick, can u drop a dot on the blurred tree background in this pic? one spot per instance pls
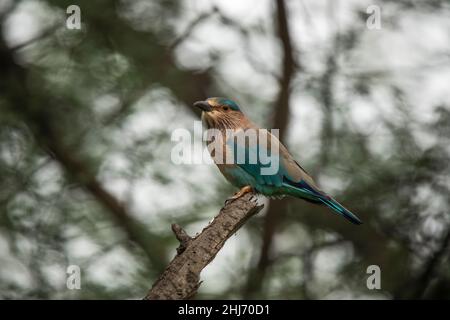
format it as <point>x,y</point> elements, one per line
<point>86,118</point>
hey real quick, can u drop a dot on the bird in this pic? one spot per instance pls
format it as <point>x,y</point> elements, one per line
<point>291,179</point>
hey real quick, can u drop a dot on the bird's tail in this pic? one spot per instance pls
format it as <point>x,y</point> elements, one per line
<point>336,206</point>
<point>304,191</point>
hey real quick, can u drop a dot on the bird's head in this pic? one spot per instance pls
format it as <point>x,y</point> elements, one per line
<point>220,113</point>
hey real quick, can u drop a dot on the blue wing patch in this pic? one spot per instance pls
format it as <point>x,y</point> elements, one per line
<point>248,158</point>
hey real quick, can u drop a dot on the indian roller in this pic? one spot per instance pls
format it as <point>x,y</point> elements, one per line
<point>224,115</point>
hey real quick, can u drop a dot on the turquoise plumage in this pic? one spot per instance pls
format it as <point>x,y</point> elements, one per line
<point>245,169</point>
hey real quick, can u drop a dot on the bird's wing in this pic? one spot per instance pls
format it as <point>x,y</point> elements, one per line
<point>296,176</point>
<point>306,188</point>
<point>289,171</point>
<point>247,154</point>
<point>290,176</point>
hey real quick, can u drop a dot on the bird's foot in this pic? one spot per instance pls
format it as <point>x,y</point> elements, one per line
<point>239,194</point>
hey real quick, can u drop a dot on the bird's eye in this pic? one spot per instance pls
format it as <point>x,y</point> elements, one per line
<point>225,108</point>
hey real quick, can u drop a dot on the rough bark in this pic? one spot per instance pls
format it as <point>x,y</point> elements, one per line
<point>181,278</point>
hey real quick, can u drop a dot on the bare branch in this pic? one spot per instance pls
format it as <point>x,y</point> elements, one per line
<point>181,278</point>
<point>182,237</point>
<point>190,28</point>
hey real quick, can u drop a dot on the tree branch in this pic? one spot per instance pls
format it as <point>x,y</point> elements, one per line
<point>280,121</point>
<point>181,278</point>
<point>190,28</point>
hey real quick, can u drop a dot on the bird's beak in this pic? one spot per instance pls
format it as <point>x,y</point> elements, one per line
<point>203,105</point>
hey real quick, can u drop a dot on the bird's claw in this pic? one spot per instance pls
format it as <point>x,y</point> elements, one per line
<point>239,194</point>
<point>229,200</point>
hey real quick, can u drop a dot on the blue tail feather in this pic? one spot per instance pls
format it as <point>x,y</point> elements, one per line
<point>336,206</point>
<point>316,196</point>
